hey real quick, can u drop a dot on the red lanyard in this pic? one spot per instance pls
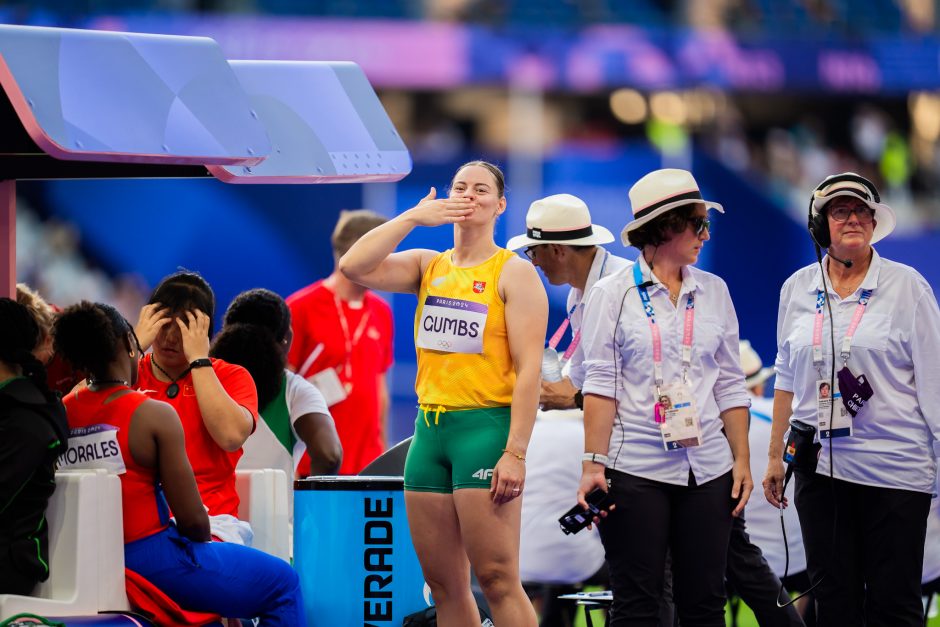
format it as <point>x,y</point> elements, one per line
<point>354,339</point>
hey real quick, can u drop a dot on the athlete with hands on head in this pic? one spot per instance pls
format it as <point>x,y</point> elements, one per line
<point>217,401</point>
<point>479,329</point>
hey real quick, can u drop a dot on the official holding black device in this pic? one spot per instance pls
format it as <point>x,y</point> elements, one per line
<point>858,357</point>
<point>663,379</point>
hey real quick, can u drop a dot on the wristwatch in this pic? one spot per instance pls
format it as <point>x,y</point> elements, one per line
<point>204,362</point>
<point>579,400</point>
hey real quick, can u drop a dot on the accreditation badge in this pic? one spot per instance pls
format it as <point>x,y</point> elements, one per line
<point>677,416</point>
<point>452,325</point>
<point>826,395</point>
<point>327,381</point>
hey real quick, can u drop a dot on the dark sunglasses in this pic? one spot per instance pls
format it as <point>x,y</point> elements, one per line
<point>699,224</point>
<point>530,252</point>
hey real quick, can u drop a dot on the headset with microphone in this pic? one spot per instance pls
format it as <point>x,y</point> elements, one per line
<point>818,224</point>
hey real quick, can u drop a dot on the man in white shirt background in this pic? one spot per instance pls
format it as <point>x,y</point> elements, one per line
<point>560,240</point>
<point>756,557</point>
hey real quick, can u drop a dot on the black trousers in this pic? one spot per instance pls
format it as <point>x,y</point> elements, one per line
<point>750,577</point>
<point>865,547</point>
<point>693,522</point>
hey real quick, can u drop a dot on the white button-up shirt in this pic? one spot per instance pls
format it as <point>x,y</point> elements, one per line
<point>618,363</point>
<point>604,264</point>
<point>896,346</point>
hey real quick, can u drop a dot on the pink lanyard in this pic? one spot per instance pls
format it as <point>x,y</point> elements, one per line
<point>556,338</point>
<point>849,334</point>
<point>687,331</point>
<point>349,341</point>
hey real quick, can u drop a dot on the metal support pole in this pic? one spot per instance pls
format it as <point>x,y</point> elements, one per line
<point>8,236</point>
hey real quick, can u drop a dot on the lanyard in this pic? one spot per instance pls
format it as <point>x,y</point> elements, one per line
<point>654,328</point>
<point>853,326</point>
<point>556,338</point>
<point>349,341</point>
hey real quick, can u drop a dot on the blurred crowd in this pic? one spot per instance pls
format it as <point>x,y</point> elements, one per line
<point>50,258</point>
<point>746,16</point>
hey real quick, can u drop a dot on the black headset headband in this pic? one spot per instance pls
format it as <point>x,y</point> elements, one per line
<point>817,223</point>
<point>846,177</point>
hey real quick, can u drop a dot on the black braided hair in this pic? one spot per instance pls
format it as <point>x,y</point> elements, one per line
<point>255,348</point>
<point>262,307</point>
<point>88,335</point>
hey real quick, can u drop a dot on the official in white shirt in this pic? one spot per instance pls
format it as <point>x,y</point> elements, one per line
<point>561,240</point>
<point>864,527</point>
<point>661,382</point>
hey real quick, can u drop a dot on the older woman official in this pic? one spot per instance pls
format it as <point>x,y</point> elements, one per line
<point>863,511</point>
<point>665,329</point>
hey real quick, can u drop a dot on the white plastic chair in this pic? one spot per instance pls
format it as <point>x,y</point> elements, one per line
<point>86,550</point>
<point>264,504</point>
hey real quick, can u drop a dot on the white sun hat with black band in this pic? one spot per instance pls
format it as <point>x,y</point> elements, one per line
<point>560,219</point>
<point>845,185</point>
<point>754,371</point>
<point>658,192</point>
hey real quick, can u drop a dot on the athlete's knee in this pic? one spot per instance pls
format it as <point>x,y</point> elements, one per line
<point>446,585</point>
<point>498,580</point>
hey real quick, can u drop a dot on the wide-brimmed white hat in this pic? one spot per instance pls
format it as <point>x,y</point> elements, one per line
<point>751,364</point>
<point>884,215</point>
<point>560,219</point>
<point>658,192</point>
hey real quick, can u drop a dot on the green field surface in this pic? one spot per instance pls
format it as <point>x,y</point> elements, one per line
<point>745,618</point>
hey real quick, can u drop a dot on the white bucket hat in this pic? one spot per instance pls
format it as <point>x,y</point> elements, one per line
<point>884,215</point>
<point>560,219</point>
<point>751,364</point>
<point>658,192</point>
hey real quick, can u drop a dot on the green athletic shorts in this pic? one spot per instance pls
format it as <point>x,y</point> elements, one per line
<point>456,449</point>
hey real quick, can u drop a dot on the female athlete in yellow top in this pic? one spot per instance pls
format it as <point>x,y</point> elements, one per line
<point>479,329</point>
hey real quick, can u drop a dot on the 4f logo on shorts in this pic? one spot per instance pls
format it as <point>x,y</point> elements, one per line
<point>479,286</point>
<point>483,473</point>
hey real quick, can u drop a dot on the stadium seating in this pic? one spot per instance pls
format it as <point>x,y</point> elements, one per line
<point>263,496</point>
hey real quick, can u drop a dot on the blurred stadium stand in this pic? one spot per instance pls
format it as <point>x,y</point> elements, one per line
<point>817,16</point>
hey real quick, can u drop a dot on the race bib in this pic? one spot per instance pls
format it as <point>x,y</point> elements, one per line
<point>92,447</point>
<point>678,419</point>
<point>452,325</point>
<point>841,426</point>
